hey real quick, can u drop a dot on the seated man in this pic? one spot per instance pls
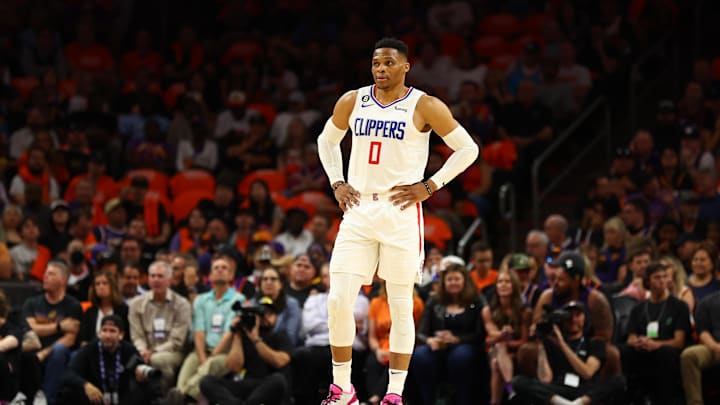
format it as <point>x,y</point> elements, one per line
<point>657,333</point>
<point>159,321</point>
<point>568,363</point>
<point>699,357</point>
<point>261,353</point>
<point>55,317</point>
<point>109,370</point>
<point>211,326</point>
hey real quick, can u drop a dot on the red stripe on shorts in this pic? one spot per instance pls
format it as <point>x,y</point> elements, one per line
<point>417,205</point>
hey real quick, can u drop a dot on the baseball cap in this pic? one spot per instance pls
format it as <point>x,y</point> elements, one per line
<point>573,263</point>
<point>267,303</point>
<point>263,236</point>
<point>112,204</point>
<point>236,98</point>
<point>574,305</point>
<point>113,320</point>
<point>57,204</point>
<point>519,261</point>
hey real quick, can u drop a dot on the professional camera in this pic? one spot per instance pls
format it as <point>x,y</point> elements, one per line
<point>136,362</point>
<point>247,316</point>
<point>551,317</point>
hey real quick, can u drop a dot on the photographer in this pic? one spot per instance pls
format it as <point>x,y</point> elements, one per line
<point>568,362</point>
<point>658,330</point>
<point>110,371</point>
<point>258,351</point>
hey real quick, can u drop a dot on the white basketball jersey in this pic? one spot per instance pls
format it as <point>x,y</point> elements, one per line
<point>387,149</point>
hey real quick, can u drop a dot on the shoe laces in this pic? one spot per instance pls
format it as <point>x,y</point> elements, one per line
<point>331,398</point>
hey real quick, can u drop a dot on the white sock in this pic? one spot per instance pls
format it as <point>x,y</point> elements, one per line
<point>558,400</point>
<point>341,374</point>
<point>577,401</point>
<point>396,381</point>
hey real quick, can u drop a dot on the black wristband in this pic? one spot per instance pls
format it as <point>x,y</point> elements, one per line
<point>427,187</point>
<point>58,327</point>
<point>337,184</point>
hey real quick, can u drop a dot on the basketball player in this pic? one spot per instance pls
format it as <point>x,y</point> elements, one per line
<point>382,226</point>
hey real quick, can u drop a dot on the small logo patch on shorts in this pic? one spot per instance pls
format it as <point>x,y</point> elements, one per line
<point>375,197</point>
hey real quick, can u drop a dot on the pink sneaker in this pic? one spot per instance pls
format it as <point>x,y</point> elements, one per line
<point>336,396</point>
<point>391,399</point>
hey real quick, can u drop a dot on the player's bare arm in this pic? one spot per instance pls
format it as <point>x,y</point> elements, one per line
<point>431,113</point>
<point>330,154</point>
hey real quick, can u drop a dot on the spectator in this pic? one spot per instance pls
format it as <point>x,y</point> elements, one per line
<point>244,229</point>
<point>263,352</point>
<point>536,246</point>
<point>11,219</point>
<point>104,185</point>
<point>636,217</point>
<point>267,214</point>
<point>527,68</point>
<point>378,361</point>
<point>657,333</point>
<point>224,204</point>
<point>289,310</point>
<point>11,337</point>
<point>112,234</point>
<point>36,172</point>
<point>612,255</point>
<point>319,228</point>
<point>198,152</point>
<point>55,317</point>
<point>130,250</point>
<point>526,270</point>
<point>236,118</point>
<point>673,176</point>
<point>569,361</point>
<point>311,362</point>
<point>453,335</point>
<point>667,128</point>
<point>55,235</point>
<point>578,76</point>
<point>87,381</point>
<point>188,237</point>
<point>80,279</point>
<point>303,279</point>
<point>702,356</point>
<point>211,330</point>
<point>142,57</point>
<point>643,148</point>
<point>85,55</point>
<point>466,68</point>
<point>703,280</point>
<point>310,176</point>
<point>129,281</point>
<point>140,204</point>
<point>692,108</point>
<point>29,257</point>
<point>708,198</point>
<point>637,263</point>
<point>506,320</point>
<point>43,54</point>
<point>296,239</point>
<point>431,69</point>
<point>159,323</point>
<point>185,56</point>
<point>556,229</point>
<point>23,138</point>
<point>297,109</point>
<point>557,94</point>
<point>677,285</point>
<point>104,295</point>
<point>481,261</point>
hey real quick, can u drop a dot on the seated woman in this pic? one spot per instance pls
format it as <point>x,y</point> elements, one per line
<point>188,236</point>
<point>453,336</point>
<point>106,300</point>
<point>677,277</point>
<point>507,322</point>
<point>703,281</point>
<point>376,365</point>
<point>271,285</point>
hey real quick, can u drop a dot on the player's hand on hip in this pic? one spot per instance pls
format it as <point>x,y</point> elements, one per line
<point>347,196</point>
<point>405,196</point>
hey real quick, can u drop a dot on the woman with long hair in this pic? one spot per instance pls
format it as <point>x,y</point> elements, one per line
<point>104,295</point>
<point>610,269</point>
<point>507,324</point>
<point>453,335</point>
<point>678,281</point>
<point>266,213</point>
<point>704,262</point>
<point>289,311</point>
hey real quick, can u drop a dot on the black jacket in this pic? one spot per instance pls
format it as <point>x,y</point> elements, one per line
<point>85,367</point>
<point>89,320</point>
<point>433,319</point>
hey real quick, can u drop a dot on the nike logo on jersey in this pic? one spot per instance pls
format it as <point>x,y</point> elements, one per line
<point>365,105</point>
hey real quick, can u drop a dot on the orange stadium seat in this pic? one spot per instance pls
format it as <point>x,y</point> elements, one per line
<point>184,202</point>
<point>506,25</point>
<point>437,231</point>
<point>311,202</point>
<point>157,181</point>
<point>275,179</point>
<point>193,179</point>
<point>489,46</point>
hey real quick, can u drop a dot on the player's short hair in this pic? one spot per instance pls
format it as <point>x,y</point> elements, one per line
<point>393,43</point>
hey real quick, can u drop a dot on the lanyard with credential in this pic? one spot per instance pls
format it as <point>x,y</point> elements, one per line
<point>110,386</point>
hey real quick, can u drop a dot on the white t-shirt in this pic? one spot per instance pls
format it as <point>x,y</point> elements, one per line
<point>282,121</point>
<point>206,159</point>
<point>458,76</point>
<point>295,245</point>
<point>17,188</point>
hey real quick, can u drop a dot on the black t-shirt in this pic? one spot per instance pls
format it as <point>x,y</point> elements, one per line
<point>584,348</point>
<point>707,316</point>
<point>11,329</point>
<point>254,364</point>
<point>671,315</point>
<point>45,313</point>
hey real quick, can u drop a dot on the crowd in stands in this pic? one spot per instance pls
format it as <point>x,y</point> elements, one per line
<point>163,200</point>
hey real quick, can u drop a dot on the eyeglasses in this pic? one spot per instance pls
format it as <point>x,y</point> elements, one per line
<point>269,279</point>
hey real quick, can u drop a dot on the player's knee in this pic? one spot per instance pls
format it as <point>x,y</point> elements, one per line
<point>401,311</point>
<point>338,304</point>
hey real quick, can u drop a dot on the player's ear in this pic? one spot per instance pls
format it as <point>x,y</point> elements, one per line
<point>406,68</point>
